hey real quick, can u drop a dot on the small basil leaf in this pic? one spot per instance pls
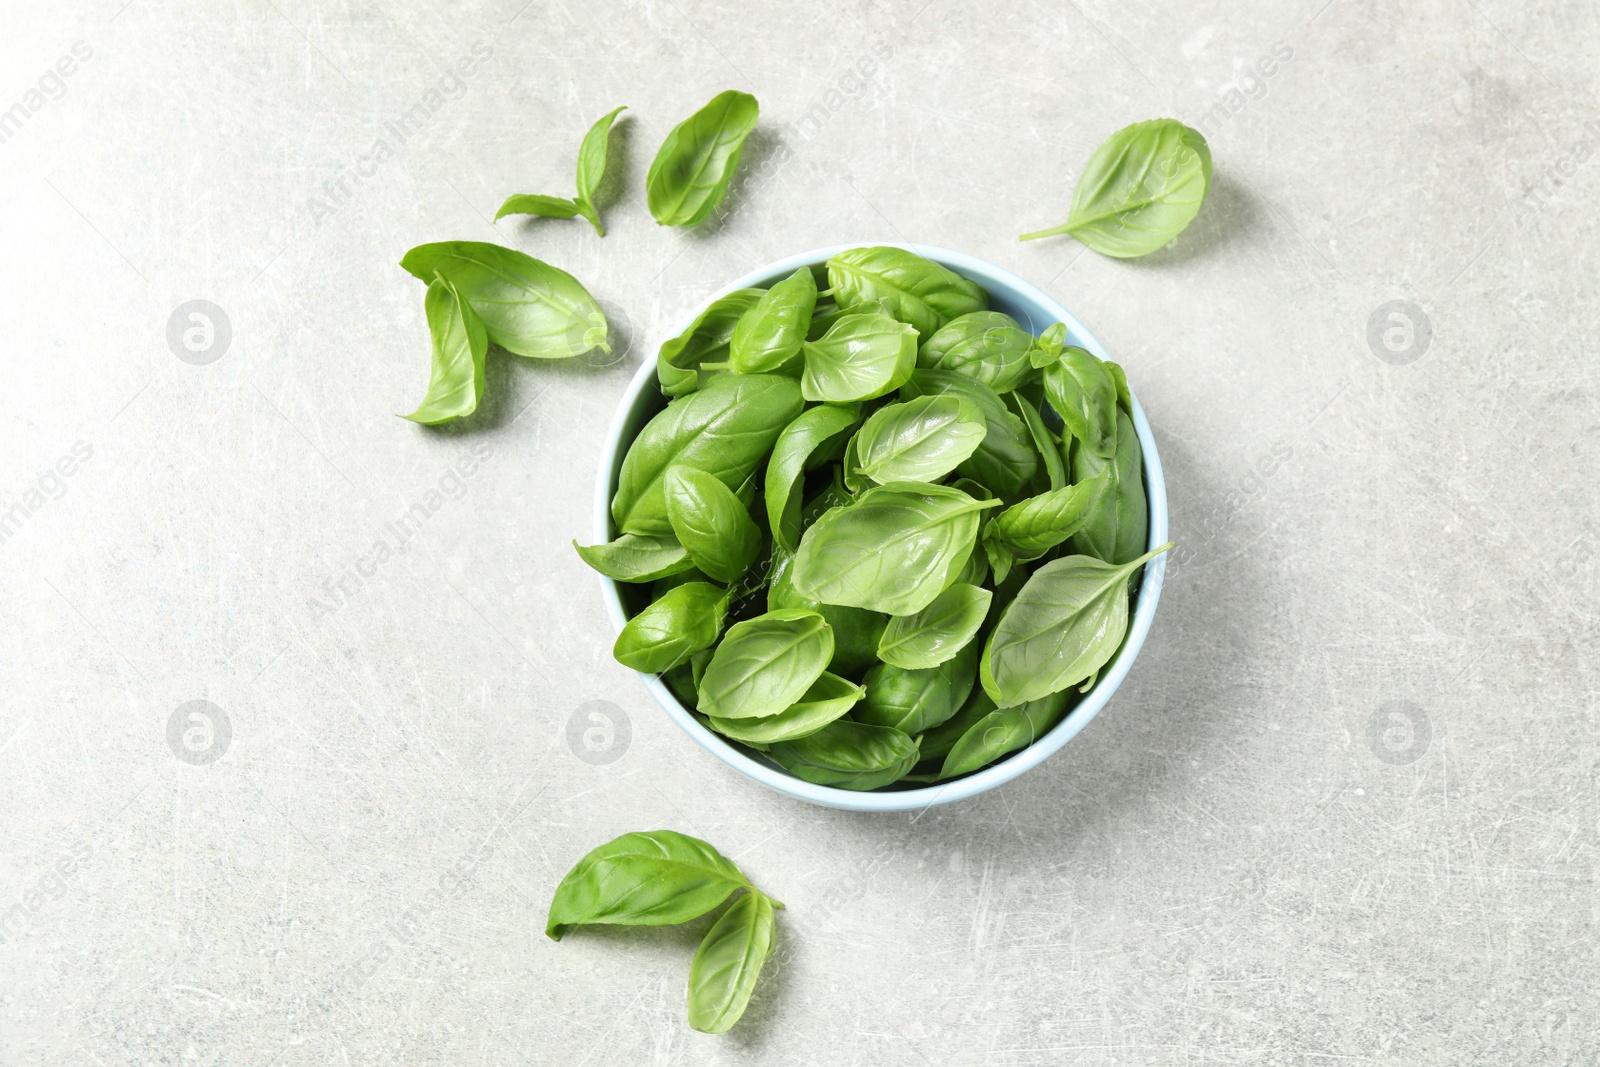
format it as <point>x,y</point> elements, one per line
<point>855,630</point>
<point>729,961</point>
<point>790,456</point>
<point>643,879</point>
<point>938,631</point>
<point>862,356</point>
<point>765,664</point>
<point>1139,189</point>
<point>459,347</point>
<point>1002,732</point>
<point>528,307</point>
<point>1048,346</point>
<point>592,167</point>
<point>694,165</point>
<point>830,697</point>
<point>1124,396</point>
<point>1044,442</point>
<point>1005,462</point>
<point>916,290</point>
<point>666,633</point>
<point>710,523</point>
<point>1065,624</point>
<point>1084,394</point>
<point>987,345</point>
<point>918,700</point>
<point>893,550</point>
<point>1118,527</point>
<point>771,333</point>
<point>848,755</point>
<point>548,207</point>
<point>635,558</point>
<point>920,440</point>
<point>937,742</point>
<point>705,341</point>
<point>1029,529</point>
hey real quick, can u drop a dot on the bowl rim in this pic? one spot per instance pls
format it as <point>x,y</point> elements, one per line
<point>989,276</point>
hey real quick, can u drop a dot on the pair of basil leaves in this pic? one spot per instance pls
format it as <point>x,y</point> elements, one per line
<point>661,878</point>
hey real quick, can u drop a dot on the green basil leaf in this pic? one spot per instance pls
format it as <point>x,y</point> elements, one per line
<point>893,550</point>
<point>765,664</point>
<point>636,558</point>
<point>855,630</point>
<point>1004,731</point>
<point>1084,394</point>
<point>691,171</point>
<point>848,755</point>
<point>937,742</point>
<point>1120,377</point>
<point>823,317</point>
<point>916,700</point>
<point>548,207</point>
<point>643,879</point>
<point>987,345</point>
<point>727,428</point>
<point>1118,526</point>
<point>710,522</point>
<point>937,632</point>
<point>862,356</point>
<point>1005,462</point>
<point>592,167</point>
<point>666,633</point>
<point>830,697</point>
<point>790,456</point>
<point>919,440</point>
<point>1034,526</point>
<point>678,364</point>
<point>1065,624</point>
<point>1139,189</point>
<point>771,333</point>
<point>528,307</point>
<point>1044,442</point>
<point>916,290</point>
<point>976,570</point>
<point>459,347</point>
<point>729,961</point>
<point>1048,346</point>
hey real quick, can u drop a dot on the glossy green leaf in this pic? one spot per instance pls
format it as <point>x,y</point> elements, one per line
<point>862,356</point>
<point>1004,731</point>
<point>920,440</point>
<point>915,289</point>
<point>938,741</point>
<point>1065,624</point>
<point>1045,444</point>
<point>791,456</point>
<point>729,961</point>
<point>643,879</point>
<point>460,344</point>
<point>636,558</point>
<point>714,528</point>
<point>1084,394</point>
<point>1034,526</point>
<point>918,700</point>
<point>1118,528</point>
<point>1120,377</point>
<point>694,165</point>
<point>855,630</point>
<point>987,345</point>
<point>848,755</point>
<point>771,333</point>
<point>707,340</point>
<point>667,632</point>
<point>829,698</point>
<point>547,207</point>
<point>894,550</point>
<point>528,307</point>
<point>1005,462</point>
<point>1048,346</point>
<point>726,429</point>
<point>937,632</point>
<point>592,167</point>
<point>765,664</point>
<point>1139,189</point>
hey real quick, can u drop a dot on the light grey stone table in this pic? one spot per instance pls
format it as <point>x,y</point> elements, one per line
<point>1343,811</point>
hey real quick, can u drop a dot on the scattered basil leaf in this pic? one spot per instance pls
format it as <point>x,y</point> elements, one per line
<point>1004,731</point>
<point>591,167</point>
<point>987,345</point>
<point>848,755</point>
<point>791,456</point>
<point>920,440</point>
<point>548,207</point>
<point>1084,394</point>
<point>729,961</point>
<point>1119,525</point>
<point>765,664</point>
<point>682,622</point>
<point>460,344</point>
<point>937,632</point>
<point>694,165</point>
<point>710,522</point>
<point>643,879</point>
<point>916,700</point>
<point>915,289</point>
<point>830,697</point>
<point>707,340</point>
<point>771,333</point>
<point>862,356</point>
<point>636,558</point>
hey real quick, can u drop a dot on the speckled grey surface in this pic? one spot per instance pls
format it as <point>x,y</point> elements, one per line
<point>1344,810</point>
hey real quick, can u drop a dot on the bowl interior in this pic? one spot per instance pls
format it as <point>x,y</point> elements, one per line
<point>1034,310</point>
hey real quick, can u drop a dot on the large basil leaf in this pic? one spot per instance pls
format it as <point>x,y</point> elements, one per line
<point>1118,526</point>
<point>830,697</point>
<point>915,289</point>
<point>666,633</point>
<point>771,333</point>
<point>987,345</point>
<point>1045,443</point>
<point>918,700</point>
<point>710,522</point>
<point>1084,394</point>
<point>643,879</point>
<point>591,167</point>
<point>725,429</point>
<point>633,558</point>
<point>1005,462</point>
<point>860,357</point>
<point>528,307</point>
<point>938,631</point>
<point>694,165</point>
<point>1029,529</point>
<point>1004,731</point>
<point>460,344</point>
<point>893,550</point>
<point>937,742</point>
<point>706,340</point>
<point>918,440</point>
<point>791,455</point>
<point>1065,624</point>
<point>848,755</point>
<point>1139,189</point>
<point>765,664</point>
<point>729,961</point>
<point>855,630</point>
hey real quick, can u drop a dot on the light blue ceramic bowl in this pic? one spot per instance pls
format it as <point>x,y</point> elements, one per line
<point>1034,309</point>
